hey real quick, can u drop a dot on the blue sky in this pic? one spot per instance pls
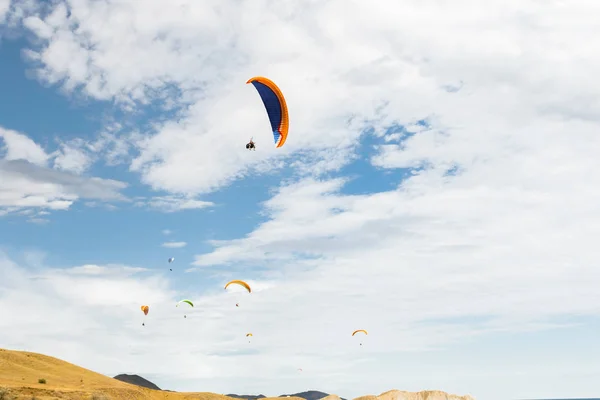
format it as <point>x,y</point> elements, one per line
<point>457,226</point>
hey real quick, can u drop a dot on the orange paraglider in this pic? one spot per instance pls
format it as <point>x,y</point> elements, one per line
<point>276,108</point>
<point>145,310</point>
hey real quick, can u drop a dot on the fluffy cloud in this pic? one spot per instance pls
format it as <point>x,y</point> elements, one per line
<point>477,73</point>
<point>4,7</point>
<point>174,245</point>
<point>171,204</point>
<point>75,303</point>
<point>28,183</point>
<point>73,157</point>
<point>19,147</point>
<point>438,243</point>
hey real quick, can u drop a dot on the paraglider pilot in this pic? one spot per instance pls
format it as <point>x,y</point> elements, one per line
<point>250,145</point>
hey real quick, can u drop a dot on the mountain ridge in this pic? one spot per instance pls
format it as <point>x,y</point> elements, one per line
<point>136,380</point>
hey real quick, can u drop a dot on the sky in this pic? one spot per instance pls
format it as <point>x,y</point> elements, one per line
<point>438,188</point>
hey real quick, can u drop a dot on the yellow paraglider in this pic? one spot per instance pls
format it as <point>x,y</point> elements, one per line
<point>360,330</point>
<point>241,283</point>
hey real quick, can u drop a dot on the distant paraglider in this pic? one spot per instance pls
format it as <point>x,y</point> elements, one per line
<point>276,107</point>
<point>145,310</point>
<point>184,301</point>
<point>360,330</point>
<point>249,335</point>
<point>170,261</point>
<point>240,283</point>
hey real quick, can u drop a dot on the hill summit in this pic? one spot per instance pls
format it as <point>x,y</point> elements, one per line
<point>137,380</point>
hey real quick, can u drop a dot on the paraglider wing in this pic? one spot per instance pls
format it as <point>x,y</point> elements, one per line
<point>249,334</point>
<point>145,309</point>
<point>276,107</point>
<point>171,259</point>
<point>185,301</point>
<point>359,330</point>
<point>241,283</point>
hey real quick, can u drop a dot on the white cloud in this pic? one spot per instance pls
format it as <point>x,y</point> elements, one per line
<point>25,185</point>
<point>454,238</point>
<point>4,7</point>
<point>91,269</point>
<point>174,245</point>
<point>386,63</point>
<point>167,232</point>
<point>171,204</point>
<point>39,27</point>
<point>73,157</point>
<point>40,221</point>
<point>114,147</point>
<point>106,206</point>
<point>27,181</point>
<point>19,147</point>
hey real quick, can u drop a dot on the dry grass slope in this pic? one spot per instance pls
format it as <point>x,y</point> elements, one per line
<point>21,372</point>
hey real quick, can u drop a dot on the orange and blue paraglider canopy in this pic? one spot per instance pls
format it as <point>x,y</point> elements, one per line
<point>276,107</point>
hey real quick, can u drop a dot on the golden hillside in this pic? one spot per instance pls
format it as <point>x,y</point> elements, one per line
<point>21,370</point>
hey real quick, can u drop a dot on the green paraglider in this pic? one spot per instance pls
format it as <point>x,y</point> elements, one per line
<point>184,301</point>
